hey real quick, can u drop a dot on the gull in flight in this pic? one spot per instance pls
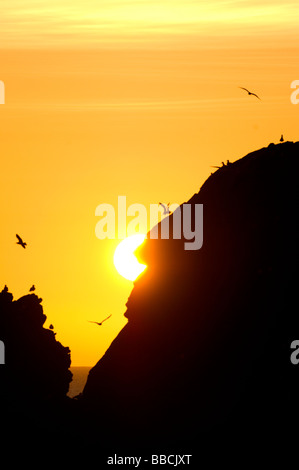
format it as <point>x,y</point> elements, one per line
<point>249,92</point>
<point>100,323</point>
<point>32,288</point>
<point>165,208</point>
<point>20,242</point>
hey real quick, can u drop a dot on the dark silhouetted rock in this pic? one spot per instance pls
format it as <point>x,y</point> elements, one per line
<point>206,350</point>
<point>36,365</point>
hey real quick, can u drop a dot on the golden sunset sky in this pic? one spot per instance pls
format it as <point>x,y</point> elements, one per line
<point>135,98</point>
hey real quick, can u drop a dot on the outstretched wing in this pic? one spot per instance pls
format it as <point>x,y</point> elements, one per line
<point>242,88</point>
<point>19,238</point>
<point>97,323</point>
<point>163,205</point>
<point>256,95</point>
<point>106,318</point>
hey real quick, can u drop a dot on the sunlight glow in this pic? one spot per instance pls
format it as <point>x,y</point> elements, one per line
<point>124,259</point>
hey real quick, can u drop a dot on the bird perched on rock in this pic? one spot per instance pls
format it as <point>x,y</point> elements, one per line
<point>165,208</point>
<point>20,241</point>
<point>223,164</point>
<point>281,138</point>
<point>249,92</point>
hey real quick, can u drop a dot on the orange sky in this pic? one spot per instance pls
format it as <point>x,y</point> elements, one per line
<point>135,98</point>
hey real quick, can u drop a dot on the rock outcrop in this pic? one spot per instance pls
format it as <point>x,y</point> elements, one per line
<point>207,343</point>
<point>36,366</point>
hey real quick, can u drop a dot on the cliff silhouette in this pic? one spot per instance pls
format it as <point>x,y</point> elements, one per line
<point>203,364</point>
<point>36,371</point>
<point>206,350</point>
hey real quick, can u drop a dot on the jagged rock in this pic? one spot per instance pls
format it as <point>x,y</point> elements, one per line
<point>36,365</point>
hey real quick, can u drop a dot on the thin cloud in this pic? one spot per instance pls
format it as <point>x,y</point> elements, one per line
<point>101,23</point>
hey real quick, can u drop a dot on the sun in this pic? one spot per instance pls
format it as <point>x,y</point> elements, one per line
<point>124,259</point>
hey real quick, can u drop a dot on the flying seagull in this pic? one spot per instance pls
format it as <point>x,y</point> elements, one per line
<point>20,242</point>
<point>32,288</point>
<point>249,92</point>
<point>100,323</point>
<point>281,138</point>
<point>165,208</point>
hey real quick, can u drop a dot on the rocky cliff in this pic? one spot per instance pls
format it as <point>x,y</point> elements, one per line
<point>36,366</point>
<point>207,343</point>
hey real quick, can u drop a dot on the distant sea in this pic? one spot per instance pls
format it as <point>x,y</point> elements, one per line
<point>79,380</point>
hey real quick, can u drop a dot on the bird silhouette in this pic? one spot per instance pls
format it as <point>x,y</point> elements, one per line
<point>51,327</point>
<point>222,163</point>
<point>20,241</point>
<point>281,138</point>
<point>99,323</point>
<point>32,288</point>
<point>165,208</point>
<point>249,92</point>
